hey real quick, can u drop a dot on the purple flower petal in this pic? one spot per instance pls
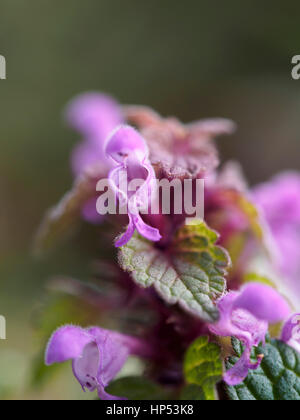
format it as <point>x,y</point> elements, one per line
<point>66,343</point>
<point>279,200</point>
<point>113,354</point>
<point>264,302</point>
<point>98,355</point>
<point>84,155</point>
<point>89,212</point>
<point>124,142</point>
<point>240,370</point>
<point>238,322</point>
<point>86,366</point>
<point>245,315</point>
<point>94,115</point>
<point>127,148</point>
<point>291,332</point>
<point>137,223</point>
<point>125,238</point>
<point>145,230</point>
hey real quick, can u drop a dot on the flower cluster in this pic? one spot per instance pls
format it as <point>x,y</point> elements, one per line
<point>177,281</point>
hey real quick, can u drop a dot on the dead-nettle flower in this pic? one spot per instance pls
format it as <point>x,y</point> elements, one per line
<point>129,151</point>
<point>94,116</point>
<point>291,332</point>
<point>279,200</point>
<point>246,315</point>
<point>97,355</point>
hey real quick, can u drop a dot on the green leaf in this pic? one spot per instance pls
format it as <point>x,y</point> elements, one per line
<point>192,392</point>
<point>136,388</point>
<point>203,367</point>
<point>191,273</point>
<point>278,377</point>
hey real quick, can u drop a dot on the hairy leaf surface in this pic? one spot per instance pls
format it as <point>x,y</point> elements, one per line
<point>191,274</point>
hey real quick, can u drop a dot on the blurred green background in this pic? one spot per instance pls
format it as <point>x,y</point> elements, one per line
<point>190,58</point>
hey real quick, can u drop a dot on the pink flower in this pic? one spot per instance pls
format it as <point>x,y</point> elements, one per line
<point>291,332</point>
<point>129,151</point>
<point>245,315</point>
<point>94,116</point>
<point>279,200</point>
<point>97,354</point>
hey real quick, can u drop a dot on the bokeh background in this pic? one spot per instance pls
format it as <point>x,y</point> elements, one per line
<point>193,58</point>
